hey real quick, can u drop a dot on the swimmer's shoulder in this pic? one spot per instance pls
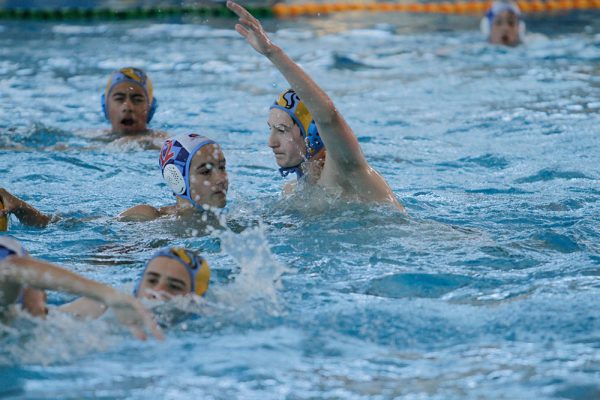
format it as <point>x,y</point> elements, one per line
<point>140,213</point>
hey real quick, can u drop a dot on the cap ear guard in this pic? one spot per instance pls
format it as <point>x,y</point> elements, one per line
<point>202,279</point>
<point>103,104</point>
<point>522,30</point>
<point>174,179</point>
<point>484,26</point>
<point>152,110</point>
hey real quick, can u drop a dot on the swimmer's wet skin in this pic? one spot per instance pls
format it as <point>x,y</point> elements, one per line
<point>193,166</point>
<point>17,271</point>
<point>25,213</point>
<point>345,166</point>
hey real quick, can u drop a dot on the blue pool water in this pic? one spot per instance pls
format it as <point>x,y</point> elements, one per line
<point>488,289</point>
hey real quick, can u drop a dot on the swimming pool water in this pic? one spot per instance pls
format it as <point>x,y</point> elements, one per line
<point>488,289</point>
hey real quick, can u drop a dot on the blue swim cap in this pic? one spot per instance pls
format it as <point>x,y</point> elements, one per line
<point>289,102</point>
<point>175,159</point>
<point>137,77</point>
<point>196,266</point>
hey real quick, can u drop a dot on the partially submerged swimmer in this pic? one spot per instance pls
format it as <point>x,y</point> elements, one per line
<point>193,166</point>
<point>129,104</point>
<point>300,129</point>
<point>19,272</point>
<point>170,272</point>
<point>502,24</point>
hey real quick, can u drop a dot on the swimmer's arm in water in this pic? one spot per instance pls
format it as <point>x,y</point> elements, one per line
<point>339,139</point>
<point>84,308</point>
<point>25,212</point>
<point>26,271</point>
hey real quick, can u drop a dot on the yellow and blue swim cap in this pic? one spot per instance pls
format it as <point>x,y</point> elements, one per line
<point>196,266</point>
<point>175,159</point>
<point>289,102</point>
<point>135,76</point>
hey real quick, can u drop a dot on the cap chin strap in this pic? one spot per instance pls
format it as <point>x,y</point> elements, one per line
<point>292,170</point>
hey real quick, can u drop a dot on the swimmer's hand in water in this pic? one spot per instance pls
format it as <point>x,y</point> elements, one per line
<point>250,28</point>
<point>131,313</point>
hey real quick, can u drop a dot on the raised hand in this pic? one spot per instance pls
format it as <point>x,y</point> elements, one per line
<point>250,28</point>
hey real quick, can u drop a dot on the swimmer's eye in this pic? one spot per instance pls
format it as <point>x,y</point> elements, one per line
<point>152,281</point>
<point>138,99</point>
<point>206,169</point>
<point>176,287</point>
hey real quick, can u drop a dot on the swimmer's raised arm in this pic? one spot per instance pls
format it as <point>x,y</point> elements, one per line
<point>19,271</point>
<point>345,165</point>
<point>339,139</point>
<point>25,212</point>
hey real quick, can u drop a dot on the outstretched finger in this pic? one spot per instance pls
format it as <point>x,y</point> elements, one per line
<point>241,30</point>
<point>238,10</point>
<point>252,24</point>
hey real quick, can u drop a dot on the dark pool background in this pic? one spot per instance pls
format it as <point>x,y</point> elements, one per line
<point>489,289</point>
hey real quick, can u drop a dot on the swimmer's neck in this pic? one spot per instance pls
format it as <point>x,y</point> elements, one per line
<point>131,134</point>
<point>184,206</point>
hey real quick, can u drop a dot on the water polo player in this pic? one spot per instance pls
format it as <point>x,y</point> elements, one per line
<point>193,166</point>
<point>18,271</point>
<point>297,142</point>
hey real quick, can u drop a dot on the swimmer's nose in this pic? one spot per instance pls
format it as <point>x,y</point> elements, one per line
<point>273,142</point>
<point>222,182</point>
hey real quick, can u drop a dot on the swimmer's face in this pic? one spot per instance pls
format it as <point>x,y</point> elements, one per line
<point>208,177</point>
<point>285,139</point>
<point>505,29</point>
<point>34,302</point>
<point>164,278</point>
<point>127,108</point>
